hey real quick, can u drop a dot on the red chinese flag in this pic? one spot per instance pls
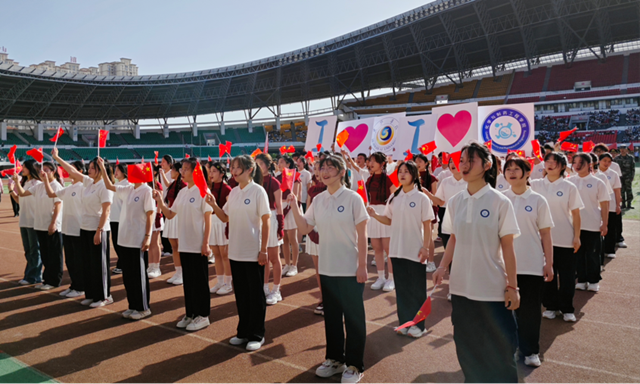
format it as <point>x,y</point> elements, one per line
<point>117,161</point>
<point>186,156</point>
<point>445,158</point>
<point>63,174</point>
<point>535,144</point>
<point>156,158</point>
<point>10,171</point>
<point>36,154</point>
<point>223,149</point>
<point>394,178</point>
<point>409,156</point>
<point>283,150</point>
<point>342,138</point>
<point>565,134</point>
<point>291,149</point>
<point>57,135</point>
<point>362,191</point>
<point>318,147</point>
<point>531,161</point>
<point>309,157</point>
<point>199,181</point>
<point>434,163</point>
<point>422,314</point>
<point>488,144</point>
<point>12,154</point>
<point>209,158</point>
<point>587,146</point>
<point>631,147</point>
<point>428,148</point>
<point>102,138</point>
<point>456,159</point>
<point>519,152</point>
<point>139,173</point>
<point>287,180</point>
<point>569,147</point>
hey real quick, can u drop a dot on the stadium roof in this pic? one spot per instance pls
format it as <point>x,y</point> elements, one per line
<point>443,38</point>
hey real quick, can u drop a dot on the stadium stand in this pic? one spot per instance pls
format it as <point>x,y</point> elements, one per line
<point>176,152</point>
<point>497,87</point>
<point>13,139</point>
<point>634,68</point>
<point>524,82</point>
<point>600,74</point>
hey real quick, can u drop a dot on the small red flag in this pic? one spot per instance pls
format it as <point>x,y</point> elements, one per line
<point>362,191</point>
<point>342,138</point>
<point>519,152</point>
<point>156,159</point>
<point>186,156</point>
<point>139,173</point>
<point>394,178</point>
<point>36,154</point>
<point>256,152</point>
<point>535,145</point>
<point>428,148</point>
<point>318,147</point>
<point>117,161</point>
<point>102,138</point>
<point>445,158</point>
<point>587,146</point>
<point>409,155</point>
<point>456,159</point>
<point>488,144</point>
<point>531,161</point>
<point>225,148</point>
<point>422,314</point>
<point>434,163</point>
<point>55,137</point>
<point>565,134</point>
<point>287,179</point>
<point>569,147</point>
<point>209,158</point>
<point>309,157</point>
<point>198,179</point>
<point>12,154</point>
<point>63,174</point>
<point>10,171</point>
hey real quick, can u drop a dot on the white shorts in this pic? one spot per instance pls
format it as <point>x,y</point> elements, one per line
<point>375,229</point>
<point>273,233</point>
<point>311,248</point>
<point>289,220</point>
<point>217,237</point>
<point>171,228</point>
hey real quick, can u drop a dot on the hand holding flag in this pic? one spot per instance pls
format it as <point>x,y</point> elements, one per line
<point>535,145</point>
<point>55,137</point>
<point>199,181</point>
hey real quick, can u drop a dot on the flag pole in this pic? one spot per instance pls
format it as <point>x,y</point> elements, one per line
<point>57,137</point>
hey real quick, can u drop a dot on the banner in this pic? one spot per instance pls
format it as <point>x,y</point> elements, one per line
<point>384,136</point>
<point>509,127</point>
<point>414,132</point>
<point>320,130</point>
<point>456,126</point>
<point>359,140</point>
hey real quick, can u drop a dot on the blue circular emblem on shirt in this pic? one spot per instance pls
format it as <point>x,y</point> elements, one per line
<point>136,199</point>
<point>191,200</point>
<point>500,186</point>
<point>589,185</point>
<point>485,213</point>
<point>560,193</point>
<point>247,201</point>
<point>341,208</point>
<point>73,194</point>
<point>528,208</point>
<point>412,204</point>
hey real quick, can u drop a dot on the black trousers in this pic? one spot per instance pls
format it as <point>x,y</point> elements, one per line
<point>135,278</point>
<point>342,297</point>
<point>248,280</point>
<point>620,229</point>
<point>558,293</point>
<point>411,283</point>
<point>115,226</point>
<point>588,257</point>
<point>166,244</point>
<point>73,258</point>
<point>610,240</point>
<point>485,337</point>
<point>529,314</point>
<point>97,277</point>
<point>195,274</point>
<point>15,206</point>
<point>441,212</point>
<point>51,255</point>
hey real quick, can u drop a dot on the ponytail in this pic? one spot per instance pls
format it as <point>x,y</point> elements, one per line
<point>247,162</point>
<point>53,169</point>
<point>483,153</point>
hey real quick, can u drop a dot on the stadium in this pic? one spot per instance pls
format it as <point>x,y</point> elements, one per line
<point>578,61</point>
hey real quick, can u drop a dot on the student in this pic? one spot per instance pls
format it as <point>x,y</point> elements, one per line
<point>442,168</point>
<point>158,225</point>
<point>565,205</point>
<point>358,170</point>
<point>593,223</point>
<point>193,244</point>
<point>218,240</point>
<point>409,213</point>
<point>120,173</point>
<point>74,255</point>
<point>483,282</point>
<point>30,177</point>
<point>271,185</point>
<point>171,227</point>
<point>602,148</point>
<point>249,216</point>
<point>379,187</point>
<point>340,217</point>
<point>312,246</point>
<point>447,188</point>
<point>534,255</point>
<point>290,246</point>
<point>429,183</point>
<point>47,221</point>
<point>305,181</point>
<point>94,230</point>
<point>615,213</point>
<point>166,177</point>
<point>138,211</point>
<point>538,169</point>
<point>501,183</point>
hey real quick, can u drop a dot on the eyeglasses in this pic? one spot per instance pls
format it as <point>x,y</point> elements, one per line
<point>328,169</point>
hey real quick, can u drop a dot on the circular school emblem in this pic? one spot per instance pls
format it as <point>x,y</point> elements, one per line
<point>247,201</point>
<point>485,213</point>
<point>136,199</point>
<point>560,193</point>
<point>412,204</point>
<point>609,177</point>
<point>589,185</point>
<point>385,130</point>
<point>528,208</point>
<point>507,129</point>
<point>191,200</point>
<point>341,208</point>
<point>73,194</point>
<point>500,186</point>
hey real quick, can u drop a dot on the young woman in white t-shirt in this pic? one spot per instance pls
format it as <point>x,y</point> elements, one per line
<point>94,230</point>
<point>218,240</point>
<point>193,245</point>
<point>615,213</point>
<point>483,282</point>
<point>249,216</point>
<point>501,183</point>
<point>171,227</point>
<point>120,174</point>
<point>138,211</point>
<point>409,212</point>
<point>447,188</point>
<point>340,217</point>
<point>47,224</point>
<point>155,249</point>
<point>312,247</point>
<point>534,255</point>
<point>290,245</point>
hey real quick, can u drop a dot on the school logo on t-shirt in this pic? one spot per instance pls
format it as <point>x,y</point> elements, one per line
<point>589,185</point>
<point>73,194</point>
<point>528,208</point>
<point>191,200</point>
<point>341,208</point>
<point>412,204</point>
<point>500,186</point>
<point>485,213</point>
<point>609,177</point>
<point>137,198</point>
<point>247,201</point>
<point>560,193</point>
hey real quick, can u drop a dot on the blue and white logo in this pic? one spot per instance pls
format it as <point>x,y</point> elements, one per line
<point>500,186</point>
<point>191,200</point>
<point>341,208</point>
<point>560,193</point>
<point>73,194</point>
<point>485,213</point>
<point>528,208</point>
<point>589,185</point>
<point>412,204</point>
<point>247,201</point>
<point>136,199</point>
<point>507,129</point>
<point>609,177</point>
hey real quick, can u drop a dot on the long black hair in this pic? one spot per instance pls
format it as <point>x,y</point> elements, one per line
<point>381,159</point>
<point>220,167</point>
<point>518,162</point>
<point>107,167</point>
<point>483,153</point>
<point>122,169</point>
<point>426,182</point>
<point>79,165</point>
<point>559,158</point>
<point>193,163</point>
<point>175,184</point>
<point>337,162</point>
<point>268,161</point>
<point>412,167</point>
<point>53,169</point>
<point>246,162</point>
<point>34,171</point>
<point>304,162</point>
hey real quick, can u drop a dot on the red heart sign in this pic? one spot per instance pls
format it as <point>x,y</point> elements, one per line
<point>454,129</point>
<point>356,136</point>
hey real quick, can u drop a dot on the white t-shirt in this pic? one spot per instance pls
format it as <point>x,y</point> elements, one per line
<point>533,214</point>
<point>407,233</point>
<point>71,197</point>
<point>479,222</point>
<point>116,206</point>
<point>135,205</point>
<point>93,196</point>
<point>600,175</point>
<point>448,187</point>
<point>305,180</point>
<point>537,172</point>
<point>245,208</point>
<point>444,174</point>
<point>191,209</point>
<point>502,184</point>
<point>335,218</point>
<point>43,207</point>
<point>357,175</point>
<point>614,181</point>
<point>437,171</point>
<point>616,168</point>
<point>563,197</point>
<point>592,191</point>
<point>27,206</point>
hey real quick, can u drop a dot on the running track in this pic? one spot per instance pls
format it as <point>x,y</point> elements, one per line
<point>71,343</point>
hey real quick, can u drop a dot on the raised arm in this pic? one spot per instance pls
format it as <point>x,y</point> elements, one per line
<point>211,200</point>
<point>71,170</point>
<point>20,191</point>
<point>105,177</point>
<point>168,213</point>
<point>303,227</point>
<point>381,218</point>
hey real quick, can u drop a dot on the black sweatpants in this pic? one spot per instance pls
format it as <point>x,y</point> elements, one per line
<point>558,293</point>
<point>166,244</point>
<point>529,314</point>
<point>195,274</point>
<point>441,211</point>
<point>15,206</point>
<point>611,239</point>
<point>342,297</point>
<point>248,280</point>
<point>411,284</point>
<point>115,226</point>
<point>73,258</point>
<point>135,278</point>
<point>51,255</point>
<point>485,336</point>
<point>97,277</point>
<point>588,257</point>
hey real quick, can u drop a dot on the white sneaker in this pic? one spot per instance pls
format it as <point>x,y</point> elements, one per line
<point>431,267</point>
<point>184,322</point>
<point>97,304</point>
<point>166,254</point>
<point>86,302</point>
<point>127,314</point>
<point>39,286</point>
<point>117,271</point>
<point>622,244</point>
<point>75,293</point>
<point>136,315</point>
<point>274,297</point>
<point>172,278</point>
<point>415,332</point>
<point>154,273</point>
<point>330,368</point>
<point>285,269</point>
<point>237,341</point>
<point>24,282</point>
<point>373,262</point>
<point>212,259</point>
<point>198,323</point>
<point>449,296</point>
<point>582,286</point>
<point>533,360</point>
<point>378,284</point>
<point>46,287</point>
<point>178,280</point>
<point>602,268</point>
<point>610,255</point>
<point>389,286</point>
<point>293,270</point>
<point>255,345</point>
<point>225,290</point>
<point>549,315</point>
<point>569,317</point>
<point>594,287</point>
<point>65,292</point>
<point>351,375</point>
<point>403,331</point>
<point>216,287</point>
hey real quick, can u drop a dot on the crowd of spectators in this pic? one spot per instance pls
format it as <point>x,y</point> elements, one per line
<point>552,123</point>
<point>633,116</point>
<point>277,136</point>
<point>603,119</point>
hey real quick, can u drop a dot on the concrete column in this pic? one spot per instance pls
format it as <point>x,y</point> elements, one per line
<point>194,129</point>
<point>3,131</point>
<point>136,132</point>
<point>39,131</point>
